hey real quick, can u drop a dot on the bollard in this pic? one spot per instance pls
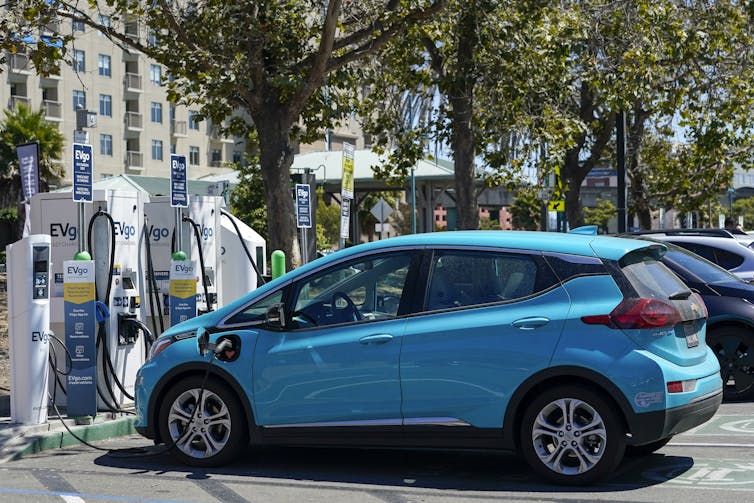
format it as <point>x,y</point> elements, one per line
<point>278,263</point>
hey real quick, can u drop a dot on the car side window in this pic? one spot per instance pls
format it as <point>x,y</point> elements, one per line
<point>257,311</point>
<point>727,259</point>
<point>362,290</point>
<point>460,278</point>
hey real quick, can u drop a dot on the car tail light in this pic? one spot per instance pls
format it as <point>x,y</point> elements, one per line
<point>637,313</point>
<point>682,386</point>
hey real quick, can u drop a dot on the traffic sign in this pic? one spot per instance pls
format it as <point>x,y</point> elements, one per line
<point>381,210</point>
<point>178,181</point>
<point>556,205</point>
<point>303,206</point>
<point>82,173</point>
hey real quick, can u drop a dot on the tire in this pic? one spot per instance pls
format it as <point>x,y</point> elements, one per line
<point>577,452</point>
<point>219,432</point>
<point>647,449</point>
<point>734,348</point>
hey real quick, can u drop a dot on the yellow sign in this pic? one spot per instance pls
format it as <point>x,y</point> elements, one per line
<point>347,180</point>
<point>556,205</point>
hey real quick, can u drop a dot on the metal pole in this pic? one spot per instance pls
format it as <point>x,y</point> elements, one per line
<point>620,133</point>
<point>81,227</point>
<point>413,202</point>
<point>179,229</point>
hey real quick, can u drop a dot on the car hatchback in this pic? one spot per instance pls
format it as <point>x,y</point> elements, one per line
<point>567,348</point>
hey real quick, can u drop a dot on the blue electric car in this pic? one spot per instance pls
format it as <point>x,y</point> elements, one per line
<point>569,349</point>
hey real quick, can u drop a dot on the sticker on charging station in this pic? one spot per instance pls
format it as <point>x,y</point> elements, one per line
<point>80,331</point>
<point>182,291</point>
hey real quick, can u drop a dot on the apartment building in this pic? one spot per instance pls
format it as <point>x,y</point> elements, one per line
<point>137,127</point>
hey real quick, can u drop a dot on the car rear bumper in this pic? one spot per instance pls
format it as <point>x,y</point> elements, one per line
<point>651,426</point>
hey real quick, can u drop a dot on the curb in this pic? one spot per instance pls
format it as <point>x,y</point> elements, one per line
<point>29,444</point>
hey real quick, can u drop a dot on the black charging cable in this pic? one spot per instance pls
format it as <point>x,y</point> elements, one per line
<point>243,245</point>
<point>198,236</point>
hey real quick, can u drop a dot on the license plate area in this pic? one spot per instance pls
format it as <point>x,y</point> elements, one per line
<point>692,334</point>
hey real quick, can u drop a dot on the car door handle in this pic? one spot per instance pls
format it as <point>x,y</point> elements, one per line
<point>531,323</point>
<point>376,339</point>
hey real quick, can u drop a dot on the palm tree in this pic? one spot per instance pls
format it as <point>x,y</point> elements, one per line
<point>22,125</point>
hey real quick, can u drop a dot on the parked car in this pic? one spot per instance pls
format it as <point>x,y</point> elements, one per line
<point>718,246</point>
<point>565,348</point>
<point>730,326</point>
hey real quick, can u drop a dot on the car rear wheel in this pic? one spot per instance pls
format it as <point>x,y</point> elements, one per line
<point>734,348</point>
<point>571,435</point>
<point>205,426</point>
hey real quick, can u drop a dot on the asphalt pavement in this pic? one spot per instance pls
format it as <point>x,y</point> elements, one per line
<point>19,440</point>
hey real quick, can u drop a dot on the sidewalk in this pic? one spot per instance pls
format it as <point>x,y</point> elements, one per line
<point>17,441</point>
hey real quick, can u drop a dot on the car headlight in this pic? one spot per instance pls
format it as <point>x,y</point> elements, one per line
<point>163,343</point>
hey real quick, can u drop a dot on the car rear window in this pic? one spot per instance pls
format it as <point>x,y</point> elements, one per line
<point>649,277</point>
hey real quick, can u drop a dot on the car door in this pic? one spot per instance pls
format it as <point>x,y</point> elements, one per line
<point>491,319</point>
<point>336,360</point>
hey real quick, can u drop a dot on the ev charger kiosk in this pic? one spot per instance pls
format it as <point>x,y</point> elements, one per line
<point>237,276</point>
<point>29,327</point>
<point>56,213</point>
<point>160,218</point>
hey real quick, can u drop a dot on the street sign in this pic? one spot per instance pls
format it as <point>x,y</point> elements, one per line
<point>345,218</point>
<point>178,182</point>
<point>556,205</point>
<point>82,173</point>
<point>346,188</point>
<point>381,210</point>
<point>303,206</point>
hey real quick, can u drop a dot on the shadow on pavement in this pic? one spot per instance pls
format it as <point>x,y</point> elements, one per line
<point>465,470</point>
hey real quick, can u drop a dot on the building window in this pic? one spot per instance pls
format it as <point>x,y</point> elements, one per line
<point>79,100</point>
<point>194,156</point>
<point>106,144</point>
<point>152,38</point>
<point>172,148</point>
<point>104,65</point>
<point>77,25</point>
<point>106,105</point>
<point>193,123</point>
<point>155,74</point>
<point>104,21</point>
<point>217,157</point>
<point>157,150</point>
<point>79,61</point>
<point>155,111</point>
<point>237,156</point>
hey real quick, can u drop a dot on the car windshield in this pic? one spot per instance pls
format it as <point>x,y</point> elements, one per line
<point>701,267</point>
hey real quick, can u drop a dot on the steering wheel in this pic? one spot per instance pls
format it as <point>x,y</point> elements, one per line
<point>305,317</point>
<point>348,313</point>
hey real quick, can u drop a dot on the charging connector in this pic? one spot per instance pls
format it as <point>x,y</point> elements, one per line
<point>128,329</point>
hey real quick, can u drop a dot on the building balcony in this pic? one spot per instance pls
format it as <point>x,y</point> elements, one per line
<point>53,110</point>
<point>134,121</point>
<point>14,101</point>
<point>19,64</point>
<point>133,83</point>
<point>178,128</point>
<point>216,135</point>
<point>134,160</point>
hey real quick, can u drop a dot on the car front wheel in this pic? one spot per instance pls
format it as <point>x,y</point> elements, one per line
<point>204,425</point>
<point>571,435</point>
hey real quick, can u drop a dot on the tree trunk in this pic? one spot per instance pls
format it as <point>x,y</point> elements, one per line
<point>275,158</point>
<point>639,198</point>
<point>463,142</point>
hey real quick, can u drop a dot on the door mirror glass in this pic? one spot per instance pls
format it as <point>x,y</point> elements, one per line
<point>275,316</point>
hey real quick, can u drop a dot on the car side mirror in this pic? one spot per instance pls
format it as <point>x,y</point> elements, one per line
<point>275,316</point>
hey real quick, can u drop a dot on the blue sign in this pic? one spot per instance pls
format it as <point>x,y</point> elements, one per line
<point>82,173</point>
<point>303,206</point>
<point>178,181</point>
<point>80,341</point>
